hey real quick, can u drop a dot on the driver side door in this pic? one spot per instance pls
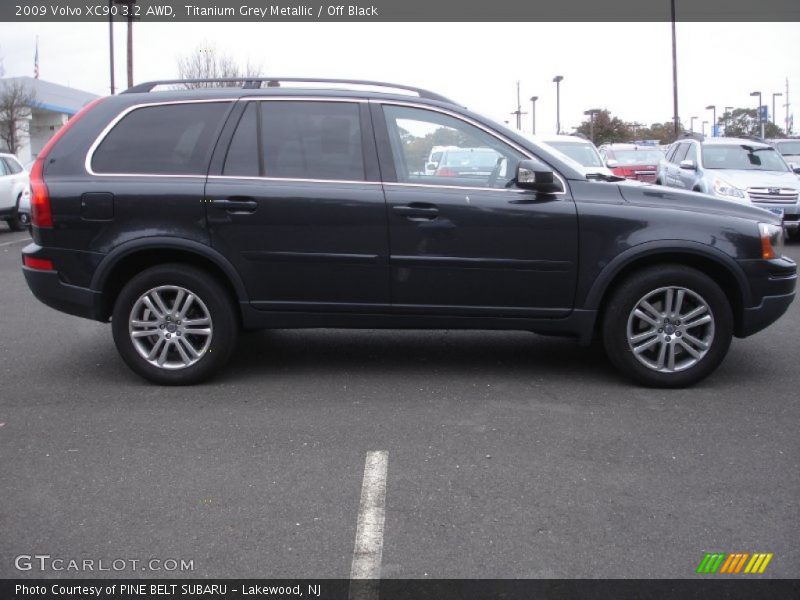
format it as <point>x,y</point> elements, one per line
<point>466,241</point>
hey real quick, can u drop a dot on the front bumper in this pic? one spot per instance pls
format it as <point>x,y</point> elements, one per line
<point>772,286</point>
<point>791,212</point>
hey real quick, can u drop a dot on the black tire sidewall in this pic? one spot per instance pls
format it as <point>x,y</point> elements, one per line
<point>205,287</point>
<point>629,293</point>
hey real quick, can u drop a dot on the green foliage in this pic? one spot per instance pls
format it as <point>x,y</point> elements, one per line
<point>744,121</point>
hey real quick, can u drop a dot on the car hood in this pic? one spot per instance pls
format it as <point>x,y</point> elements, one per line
<point>748,179</point>
<point>666,197</point>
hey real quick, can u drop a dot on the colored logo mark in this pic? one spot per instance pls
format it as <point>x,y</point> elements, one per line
<point>737,562</point>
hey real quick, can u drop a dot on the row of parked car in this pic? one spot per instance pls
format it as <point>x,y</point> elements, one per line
<point>748,170</point>
<point>15,193</point>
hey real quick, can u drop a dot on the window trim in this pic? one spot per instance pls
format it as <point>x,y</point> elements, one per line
<point>107,129</point>
<point>485,129</point>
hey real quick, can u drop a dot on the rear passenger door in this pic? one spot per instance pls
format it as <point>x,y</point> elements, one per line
<point>294,201</point>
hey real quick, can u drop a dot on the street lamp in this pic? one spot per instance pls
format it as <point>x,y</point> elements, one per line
<point>591,113</point>
<point>773,105</point>
<point>758,111</point>
<point>557,80</point>
<point>713,108</point>
<point>704,127</point>
<point>691,124</point>
<point>533,113</point>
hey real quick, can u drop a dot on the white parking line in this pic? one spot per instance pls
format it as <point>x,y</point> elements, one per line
<point>369,532</point>
<point>15,242</point>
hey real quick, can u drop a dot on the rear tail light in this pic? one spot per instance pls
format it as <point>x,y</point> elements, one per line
<point>41,212</point>
<point>446,172</point>
<point>40,264</point>
<point>625,172</point>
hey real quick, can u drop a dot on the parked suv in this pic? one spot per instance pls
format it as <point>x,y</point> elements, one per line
<point>579,149</point>
<point>790,150</point>
<point>183,216</point>
<point>14,193</point>
<point>744,170</point>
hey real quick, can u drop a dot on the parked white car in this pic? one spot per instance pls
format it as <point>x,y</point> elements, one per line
<point>578,149</point>
<point>15,193</point>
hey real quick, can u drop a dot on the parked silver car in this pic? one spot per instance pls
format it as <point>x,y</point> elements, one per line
<point>15,193</point>
<point>738,169</point>
<point>789,149</point>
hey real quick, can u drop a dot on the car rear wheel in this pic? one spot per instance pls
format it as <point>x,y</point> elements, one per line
<point>20,221</point>
<point>174,325</point>
<point>667,326</point>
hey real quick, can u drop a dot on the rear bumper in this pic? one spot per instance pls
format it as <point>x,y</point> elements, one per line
<point>71,299</point>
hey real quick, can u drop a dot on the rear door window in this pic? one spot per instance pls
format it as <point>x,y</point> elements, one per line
<point>170,139</point>
<point>242,158</point>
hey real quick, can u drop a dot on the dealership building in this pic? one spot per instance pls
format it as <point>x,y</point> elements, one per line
<point>52,106</point>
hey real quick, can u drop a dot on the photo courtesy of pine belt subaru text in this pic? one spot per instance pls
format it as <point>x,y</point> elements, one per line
<point>184,216</point>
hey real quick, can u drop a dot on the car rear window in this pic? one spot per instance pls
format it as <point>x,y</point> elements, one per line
<point>171,139</point>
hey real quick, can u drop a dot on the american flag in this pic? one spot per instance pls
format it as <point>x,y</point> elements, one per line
<point>36,61</point>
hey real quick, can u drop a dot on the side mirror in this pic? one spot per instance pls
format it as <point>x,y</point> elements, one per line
<point>688,165</point>
<point>612,164</point>
<point>794,167</point>
<point>538,177</point>
<point>431,166</point>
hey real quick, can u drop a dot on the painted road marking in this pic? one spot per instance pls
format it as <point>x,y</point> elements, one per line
<point>369,532</point>
<point>16,242</point>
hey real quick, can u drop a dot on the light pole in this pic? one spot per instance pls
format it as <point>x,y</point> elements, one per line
<point>533,113</point>
<point>129,15</point>
<point>691,124</point>
<point>758,111</point>
<point>519,111</point>
<point>111,44</point>
<point>591,113</point>
<point>676,120</point>
<point>557,80</point>
<point>713,108</point>
<point>773,106</point>
<point>704,128</point>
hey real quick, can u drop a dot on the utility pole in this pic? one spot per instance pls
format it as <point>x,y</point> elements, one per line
<point>591,113</point>
<point>675,118</point>
<point>519,111</point>
<point>787,107</point>
<point>129,4</point>
<point>533,113</point>
<point>774,116</point>
<point>111,45</point>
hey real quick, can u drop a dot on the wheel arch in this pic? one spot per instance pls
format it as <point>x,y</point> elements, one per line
<point>130,258</point>
<point>718,266</point>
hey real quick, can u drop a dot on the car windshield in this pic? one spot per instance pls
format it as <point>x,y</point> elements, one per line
<point>638,157</point>
<point>787,148</point>
<point>471,158</point>
<point>743,157</point>
<point>583,154</point>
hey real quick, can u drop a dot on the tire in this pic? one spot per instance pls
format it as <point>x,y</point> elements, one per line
<point>20,221</point>
<point>708,334</point>
<point>189,341</point>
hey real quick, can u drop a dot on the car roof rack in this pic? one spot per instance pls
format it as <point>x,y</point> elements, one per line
<point>693,135</point>
<point>755,138</point>
<point>253,83</point>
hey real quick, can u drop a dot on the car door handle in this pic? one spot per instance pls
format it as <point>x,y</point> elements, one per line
<point>417,211</point>
<point>235,205</point>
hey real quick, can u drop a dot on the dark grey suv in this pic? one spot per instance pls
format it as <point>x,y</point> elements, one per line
<point>184,216</point>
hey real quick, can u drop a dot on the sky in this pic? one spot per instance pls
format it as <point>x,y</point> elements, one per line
<point>623,67</point>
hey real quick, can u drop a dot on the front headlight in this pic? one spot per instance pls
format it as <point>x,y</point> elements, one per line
<point>771,240</point>
<point>726,190</point>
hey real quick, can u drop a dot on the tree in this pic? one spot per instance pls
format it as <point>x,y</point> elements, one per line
<point>744,121</point>
<point>15,109</point>
<point>607,129</point>
<point>663,132</point>
<point>205,62</point>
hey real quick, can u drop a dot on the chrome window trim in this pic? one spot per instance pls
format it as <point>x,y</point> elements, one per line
<point>480,126</point>
<point>294,179</point>
<point>107,129</point>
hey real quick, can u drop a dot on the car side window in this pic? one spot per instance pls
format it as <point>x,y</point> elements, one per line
<point>671,152</point>
<point>3,168</point>
<point>12,166</point>
<point>691,153</point>
<point>470,156</point>
<point>169,139</point>
<point>242,157</point>
<point>680,153</point>
<point>312,140</point>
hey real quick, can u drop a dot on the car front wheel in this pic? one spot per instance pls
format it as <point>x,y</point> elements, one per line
<point>668,326</point>
<point>174,325</point>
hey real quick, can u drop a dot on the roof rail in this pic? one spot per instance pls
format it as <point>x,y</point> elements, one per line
<point>755,138</point>
<point>249,83</point>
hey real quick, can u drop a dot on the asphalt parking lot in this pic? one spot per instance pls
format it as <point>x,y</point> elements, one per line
<point>509,454</point>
